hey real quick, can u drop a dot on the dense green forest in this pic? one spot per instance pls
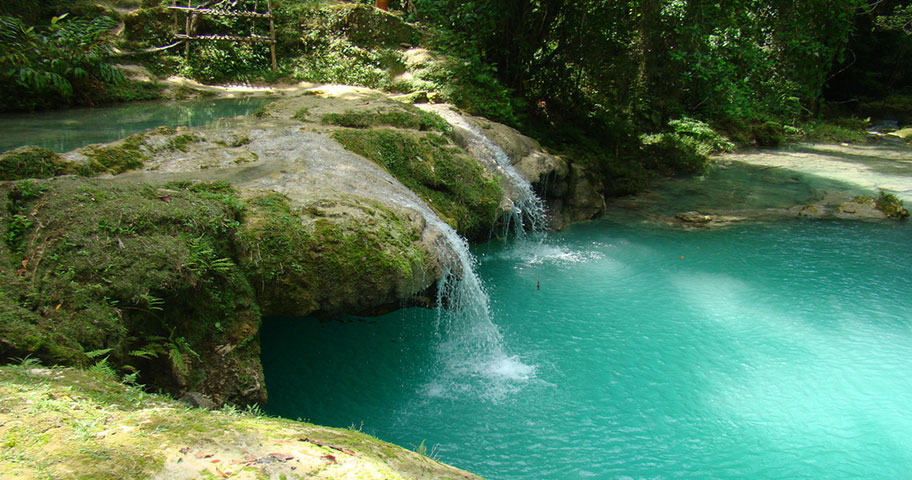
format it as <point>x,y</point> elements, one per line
<point>630,87</point>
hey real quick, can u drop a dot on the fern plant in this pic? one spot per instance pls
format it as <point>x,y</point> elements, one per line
<point>63,62</point>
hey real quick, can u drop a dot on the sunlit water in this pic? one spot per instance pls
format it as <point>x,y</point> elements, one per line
<point>65,130</point>
<point>767,351</point>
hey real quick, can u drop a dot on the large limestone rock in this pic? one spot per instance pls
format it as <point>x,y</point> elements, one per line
<point>174,278</point>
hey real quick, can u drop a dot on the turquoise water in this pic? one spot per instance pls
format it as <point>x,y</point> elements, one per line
<point>767,351</point>
<point>65,130</point>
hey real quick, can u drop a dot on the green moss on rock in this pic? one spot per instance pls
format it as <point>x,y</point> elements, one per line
<point>113,159</point>
<point>31,162</point>
<point>406,116</point>
<point>180,142</point>
<point>147,273</point>
<point>351,254</point>
<point>66,423</point>
<point>450,180</point>
<point>891,205</point>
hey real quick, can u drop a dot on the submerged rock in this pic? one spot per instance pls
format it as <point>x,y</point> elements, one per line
<point>694,217</point>
<point>860,208</point>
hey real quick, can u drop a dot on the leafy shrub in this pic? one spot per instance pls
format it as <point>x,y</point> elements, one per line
<point>63,63</point>
<point>847,130</point>
<point>686,149</point>
<point>671,153</point>
<point>221,62</point>
<point>337,61</point>
<point>467,82</point>
<point>702,133</point>
<point>766,134</point>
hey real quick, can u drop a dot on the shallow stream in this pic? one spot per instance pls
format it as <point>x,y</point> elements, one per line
<point>65,130</point>
<point>779,350</point>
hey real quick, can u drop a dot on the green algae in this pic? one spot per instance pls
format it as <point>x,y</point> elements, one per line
<point>31,162</point>
<point>406,116</point>
<point>450,180</point>
<point>349,254</point>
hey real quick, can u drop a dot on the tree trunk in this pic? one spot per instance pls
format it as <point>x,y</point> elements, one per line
<point>645,53</point>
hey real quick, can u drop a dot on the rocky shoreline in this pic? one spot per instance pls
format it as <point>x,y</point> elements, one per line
<point>817,181</point>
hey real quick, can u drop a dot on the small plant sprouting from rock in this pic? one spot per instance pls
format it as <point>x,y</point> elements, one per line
<point>422,449</point>
<point>101,366</point>
<point>18,226</point>
<point>204,260</point>
<point>891,205</point>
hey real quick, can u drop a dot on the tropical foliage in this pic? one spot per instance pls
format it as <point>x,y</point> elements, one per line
<point>65,63</point>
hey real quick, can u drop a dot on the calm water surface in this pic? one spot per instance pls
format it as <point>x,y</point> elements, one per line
<point>65,130</point>
<point>765,352</point>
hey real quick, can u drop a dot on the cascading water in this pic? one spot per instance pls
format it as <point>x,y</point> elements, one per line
<point>528,209</point>
<point>471,350</point>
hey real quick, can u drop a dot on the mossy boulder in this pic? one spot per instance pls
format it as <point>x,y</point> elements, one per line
<point>37,162</point>
<point>462,192</point>
<point>145,275</point>
<point>349,255</point>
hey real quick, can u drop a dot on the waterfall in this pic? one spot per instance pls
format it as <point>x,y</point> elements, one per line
<point>471,352</point>
<point>527,209</point>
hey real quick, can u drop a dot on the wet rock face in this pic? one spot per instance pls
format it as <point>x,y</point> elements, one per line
<point>571,192</point>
